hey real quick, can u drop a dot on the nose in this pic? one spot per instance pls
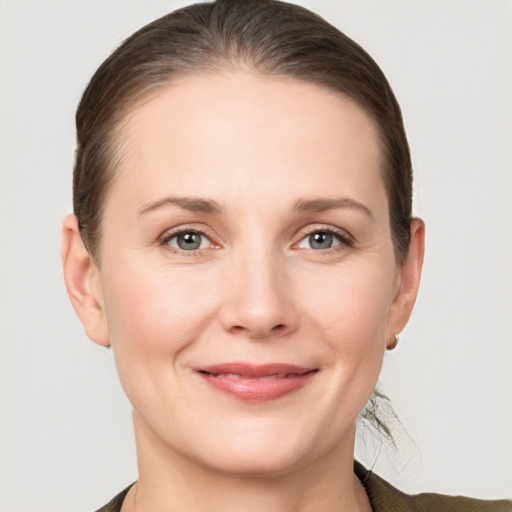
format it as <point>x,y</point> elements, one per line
<point>258,301</point>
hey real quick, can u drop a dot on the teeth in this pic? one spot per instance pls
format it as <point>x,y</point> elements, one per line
<point>236,376</point>
<point>229,375</point>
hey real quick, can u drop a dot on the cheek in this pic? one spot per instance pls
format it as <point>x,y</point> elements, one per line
<point>353,299</point>
<point>349,308</point>
<point>346,312</point>
<point>154,310</point>
<point>154,315</point>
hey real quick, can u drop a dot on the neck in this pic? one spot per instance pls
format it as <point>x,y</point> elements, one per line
<point>169,482</point>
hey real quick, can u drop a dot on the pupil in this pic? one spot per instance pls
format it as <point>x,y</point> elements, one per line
<point>320,240</point>
<point>189,241</point>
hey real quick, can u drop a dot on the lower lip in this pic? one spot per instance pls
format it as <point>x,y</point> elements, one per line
<point>258,390</point>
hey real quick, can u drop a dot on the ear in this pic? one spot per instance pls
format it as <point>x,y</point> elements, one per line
<point>409,282</point>
<point>82,279</point>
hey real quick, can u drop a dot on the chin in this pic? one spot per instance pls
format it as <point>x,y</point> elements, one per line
<point>268,450</point>
<point>256,463</point>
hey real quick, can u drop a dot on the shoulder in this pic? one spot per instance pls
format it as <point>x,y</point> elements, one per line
<point>384,497</point>
<point>115,504</point>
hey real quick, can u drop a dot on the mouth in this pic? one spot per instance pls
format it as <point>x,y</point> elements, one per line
<point>256,383</point>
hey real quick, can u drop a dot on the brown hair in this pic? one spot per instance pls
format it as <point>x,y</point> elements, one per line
<point>266,36</point>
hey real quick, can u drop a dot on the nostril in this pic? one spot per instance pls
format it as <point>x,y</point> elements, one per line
<point>240,329</point>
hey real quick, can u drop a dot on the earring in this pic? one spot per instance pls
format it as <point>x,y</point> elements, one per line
<point>394,342</point>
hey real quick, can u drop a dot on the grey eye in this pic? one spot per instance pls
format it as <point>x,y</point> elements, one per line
<point>320,240</point>
<point>189,241</point>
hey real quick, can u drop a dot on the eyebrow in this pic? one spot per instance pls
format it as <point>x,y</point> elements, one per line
<point>194,204</point>
<point>199,204</point>
<point>323,204</point>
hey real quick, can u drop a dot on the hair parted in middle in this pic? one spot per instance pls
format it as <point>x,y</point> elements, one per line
<point>266,37</point>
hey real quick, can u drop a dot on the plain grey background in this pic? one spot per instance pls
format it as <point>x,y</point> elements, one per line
<point>66,437</point>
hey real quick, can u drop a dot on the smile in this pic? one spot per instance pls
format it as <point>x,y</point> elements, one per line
<point>256,383</point>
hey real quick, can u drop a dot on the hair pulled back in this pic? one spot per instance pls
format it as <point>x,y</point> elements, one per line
<point>265,36</point>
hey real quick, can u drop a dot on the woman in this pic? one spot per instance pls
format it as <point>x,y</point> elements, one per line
<point>242,237</point>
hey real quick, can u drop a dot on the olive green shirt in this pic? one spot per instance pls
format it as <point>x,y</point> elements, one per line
<point>386,498</point>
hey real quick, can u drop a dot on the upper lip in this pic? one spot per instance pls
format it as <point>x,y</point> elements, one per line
<point>254,371</point>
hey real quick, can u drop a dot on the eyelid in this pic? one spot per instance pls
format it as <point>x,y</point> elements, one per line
<point>344,237</point>
<point>169,234</point>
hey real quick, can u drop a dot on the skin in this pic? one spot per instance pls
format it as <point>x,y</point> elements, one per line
<point>275,156</point>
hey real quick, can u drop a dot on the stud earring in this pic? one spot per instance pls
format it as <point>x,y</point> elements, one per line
<point>394,342</point>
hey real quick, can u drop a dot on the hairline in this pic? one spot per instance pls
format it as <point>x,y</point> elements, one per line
<point>116,146</point>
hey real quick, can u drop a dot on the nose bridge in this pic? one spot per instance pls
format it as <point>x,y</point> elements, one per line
<point>259,301</point>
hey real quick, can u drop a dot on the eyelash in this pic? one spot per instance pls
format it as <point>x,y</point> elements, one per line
<point>343,238</point>
<point>164,241</point>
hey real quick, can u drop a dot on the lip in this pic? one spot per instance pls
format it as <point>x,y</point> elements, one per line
<point>256,383</point>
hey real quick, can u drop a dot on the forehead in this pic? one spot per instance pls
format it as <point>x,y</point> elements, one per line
<point>239,132</point>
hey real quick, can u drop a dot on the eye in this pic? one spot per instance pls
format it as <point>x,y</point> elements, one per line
<point>320,240</point>
<point>189,241</point>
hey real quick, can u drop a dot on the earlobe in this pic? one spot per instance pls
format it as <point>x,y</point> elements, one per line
<point>81,276</point>
<point>410,275</point>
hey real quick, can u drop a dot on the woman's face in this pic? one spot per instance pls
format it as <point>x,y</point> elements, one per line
<point>248,284</point>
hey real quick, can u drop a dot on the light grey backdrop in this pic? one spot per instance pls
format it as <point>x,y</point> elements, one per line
<point>66,439</point>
